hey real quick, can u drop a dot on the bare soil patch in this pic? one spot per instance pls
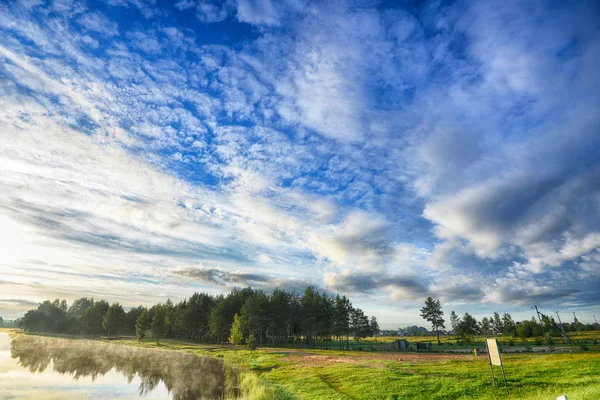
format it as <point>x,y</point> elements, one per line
<point>318,360</point>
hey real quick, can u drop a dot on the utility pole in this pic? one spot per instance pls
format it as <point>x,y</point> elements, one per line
<point>575,322</point>
<point>562,330</point>
<point>540,318</point>
<point>595,319</point>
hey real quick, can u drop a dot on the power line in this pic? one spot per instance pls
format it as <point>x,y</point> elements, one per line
<point>562,329</point>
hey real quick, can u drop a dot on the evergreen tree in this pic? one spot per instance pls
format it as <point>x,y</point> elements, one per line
<point>79,306</point>
<point>141,325</point>
<point>485,325</point>
<point>497,323</point>
<point>509,328</point>
<point>468,327</point>
<point>254,315</point>
<point>113,319</point>
<point>160,323</point>
<point>454,320</point>
<point>251,343</point>
<point>93,317</point>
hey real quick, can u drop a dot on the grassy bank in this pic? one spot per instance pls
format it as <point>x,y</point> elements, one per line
<point>328,374</point>
<point>322,374</point>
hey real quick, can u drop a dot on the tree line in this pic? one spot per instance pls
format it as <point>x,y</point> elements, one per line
<point>468,326</point>
<point>243,315</point>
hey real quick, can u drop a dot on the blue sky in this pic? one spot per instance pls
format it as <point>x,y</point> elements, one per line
<point>386,150</point>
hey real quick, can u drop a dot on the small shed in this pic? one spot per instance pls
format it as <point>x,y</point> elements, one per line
<point>402,345</point>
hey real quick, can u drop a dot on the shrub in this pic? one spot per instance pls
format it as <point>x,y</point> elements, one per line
<point>538,341</point>
<point>251,342</point>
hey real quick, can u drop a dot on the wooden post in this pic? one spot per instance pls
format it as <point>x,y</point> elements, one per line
<point>491,368</point>
<point>504,376</point>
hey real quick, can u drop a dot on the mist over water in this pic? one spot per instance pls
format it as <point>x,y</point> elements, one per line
<point>31,367</point>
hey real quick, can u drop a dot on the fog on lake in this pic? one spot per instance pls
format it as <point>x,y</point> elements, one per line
<point>39,367</point>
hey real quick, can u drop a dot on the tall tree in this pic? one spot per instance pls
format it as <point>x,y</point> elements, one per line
<point>485,325</point>
<point>497,323</point>
<point>142,325</point>
<point>113,319</point>
<point>468,327</point>
<point>341,318</point>
<point>130,319</point>
<point>160,323</point>
<point>359,324</point>
<point>454,320</point>
<point>93,316</point>
<point>79,306</point>
<point>509,327</point>
<point>374,327</point>
<point>254,316</point>
<point>433,313</point>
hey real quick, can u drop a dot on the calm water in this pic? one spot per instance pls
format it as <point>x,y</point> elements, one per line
<point>46,368</point>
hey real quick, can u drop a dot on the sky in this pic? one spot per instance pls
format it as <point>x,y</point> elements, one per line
<point>386,150</point>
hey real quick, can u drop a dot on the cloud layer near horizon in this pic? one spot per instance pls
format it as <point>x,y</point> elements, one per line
<point>387,153</point>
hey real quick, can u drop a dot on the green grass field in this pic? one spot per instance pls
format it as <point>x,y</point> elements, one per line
<point>328,374</point>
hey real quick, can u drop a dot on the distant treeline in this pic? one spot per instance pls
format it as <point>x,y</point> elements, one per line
<point>467,326</point>
<point>280,318</point>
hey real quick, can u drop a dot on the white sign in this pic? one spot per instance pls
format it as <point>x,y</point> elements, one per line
<point>494,352</point>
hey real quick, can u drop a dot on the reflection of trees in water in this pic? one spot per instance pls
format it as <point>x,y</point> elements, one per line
<point>186,376</point>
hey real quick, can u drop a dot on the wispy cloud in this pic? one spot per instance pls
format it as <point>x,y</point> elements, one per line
<point>449,150</point>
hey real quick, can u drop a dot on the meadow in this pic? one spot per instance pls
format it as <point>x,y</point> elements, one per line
<point>292,373</point>
<point>331,374</point>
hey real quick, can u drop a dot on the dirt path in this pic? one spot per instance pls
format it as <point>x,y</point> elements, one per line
<point>317,360</point>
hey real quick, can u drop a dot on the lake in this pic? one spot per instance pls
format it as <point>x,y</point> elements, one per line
<point>34,367</point>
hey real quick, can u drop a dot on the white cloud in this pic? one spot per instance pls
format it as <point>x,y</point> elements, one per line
<point>98,22</point>
<point>337,143</point>
<point>258,12</point>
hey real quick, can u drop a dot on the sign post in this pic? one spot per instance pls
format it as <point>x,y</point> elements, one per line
<point>495,359</point>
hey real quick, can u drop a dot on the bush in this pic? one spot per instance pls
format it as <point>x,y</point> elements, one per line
<point>538,341</point>
<point>511,342</point>
<point>252,387</point>
<point>583,347</point>
<point>251,342</point>
<point>550,341</point>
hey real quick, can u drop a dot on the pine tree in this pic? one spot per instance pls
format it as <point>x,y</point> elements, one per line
<point>113,319</point>
<point>160,323</point>
<point>454,320</point>
<point>141,325</point>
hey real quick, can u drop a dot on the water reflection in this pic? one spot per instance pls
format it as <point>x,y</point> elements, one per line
<point>186,376</point>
